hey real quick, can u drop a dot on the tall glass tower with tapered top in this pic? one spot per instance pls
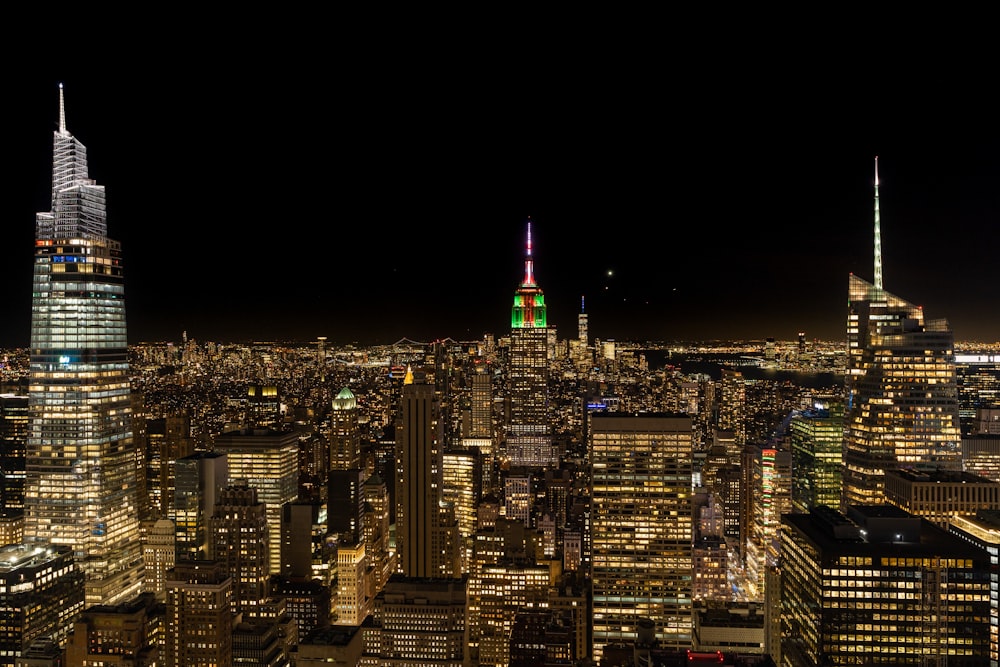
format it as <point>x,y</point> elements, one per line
<point>902,390</point>
<point>529,439</point>
<point>81,462</point>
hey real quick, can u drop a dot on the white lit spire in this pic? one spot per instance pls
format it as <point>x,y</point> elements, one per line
<point>878,235</point>
<point>62,111</point>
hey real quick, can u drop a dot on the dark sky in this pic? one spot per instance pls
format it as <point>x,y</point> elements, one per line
<point>367,206</point>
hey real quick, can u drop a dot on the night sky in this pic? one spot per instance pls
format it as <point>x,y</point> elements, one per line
<point>373,205</point>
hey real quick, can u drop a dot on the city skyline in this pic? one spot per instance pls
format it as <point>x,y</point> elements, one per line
<point>419,234</point>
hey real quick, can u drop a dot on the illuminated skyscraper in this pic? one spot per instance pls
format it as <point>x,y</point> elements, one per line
<point>267,460</point>
<point>14,422</point>
<point>199,621</point>
<point>817,445</point>
<point>641,527</point>
<point>239,540</point>
<point>901,388</point>
<point>345,433</point>
<point>880,586</point>
<point>81,459</point>
<point>529,435</point>
<point>427,541</point>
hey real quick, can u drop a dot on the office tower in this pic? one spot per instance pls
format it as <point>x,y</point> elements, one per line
<point>769,495</point>
<point>159,554</point>
<point>517,495</point>
<point>199,479</point>
<point>506,542</point>
<point>81,476</point>
<point>581,324</point>
<point>14,421</point>
<point>351,600</point>
<point>117,635</point>
<point>168,439</point>
<point>417,621</point>
<point>978,379</point>
<point>817,446</point>
<point>345,531</point>
<point>981,451</point>
<point>345,520</point>
<point>199,621</point>
<point>710,569</point>
<point>41,595</point>
<point>641,528</point>
<point>508,587</point>
<point>426,536</point>
<point>461,478</point>
<point>300,523</point>
<point>983,530</point>
<point>345,433</point>
<point>902,409</point>
<point>239,541</point>
<point>728,483</point>
<point>263,406</point>
<point>377,528</point>
<point>941,495</point>
<point>268,460</point>
<point>480,433</point>
<point>529,434</point>
<point>308,601</point>
<point>732,408</point>
<point>881,585</point>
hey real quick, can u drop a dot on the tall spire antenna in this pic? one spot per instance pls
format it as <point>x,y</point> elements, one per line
<point>878,235</point>
<point>62,110</point>
<point>529,263</point>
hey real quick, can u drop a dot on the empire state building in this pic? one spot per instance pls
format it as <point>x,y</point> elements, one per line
<point>81,460</point>
<point>529,435</point>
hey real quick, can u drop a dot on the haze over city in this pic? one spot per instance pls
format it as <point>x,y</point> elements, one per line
<point>252,216</point>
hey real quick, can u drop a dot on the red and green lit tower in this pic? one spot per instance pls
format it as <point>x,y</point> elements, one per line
<point>529,440</point>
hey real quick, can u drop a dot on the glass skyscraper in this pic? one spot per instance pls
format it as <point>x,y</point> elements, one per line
<point>642,524</point>
<point>81,460</point>
<point>902,394</point>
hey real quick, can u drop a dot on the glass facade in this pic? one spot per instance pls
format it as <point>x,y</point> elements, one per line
<point>81,461</point>
<point>902,392</point>
<point>641,504</point>
<point>880,588</point>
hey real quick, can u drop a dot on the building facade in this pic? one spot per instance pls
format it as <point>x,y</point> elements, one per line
<point>642,524</point>
<point>902,394</point>
<point>529,433</point>
<point>880,586</point>
<point>82,467</point>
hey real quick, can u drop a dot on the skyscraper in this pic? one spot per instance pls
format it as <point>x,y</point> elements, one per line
<point>642,526</point>
<point>81,459</point>
<point>267,460</point>
<point>880,586</point>
<point>426,531</point>
<point>529,435</point>
<point>345,433</point>
<point>902,393</point>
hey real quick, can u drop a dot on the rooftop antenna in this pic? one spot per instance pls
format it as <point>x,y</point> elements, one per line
<point>529,263</point>
<point>878,235</point>
<point>62,110</point>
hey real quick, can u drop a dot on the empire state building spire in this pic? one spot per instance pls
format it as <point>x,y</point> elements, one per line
<point>529,302</point>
